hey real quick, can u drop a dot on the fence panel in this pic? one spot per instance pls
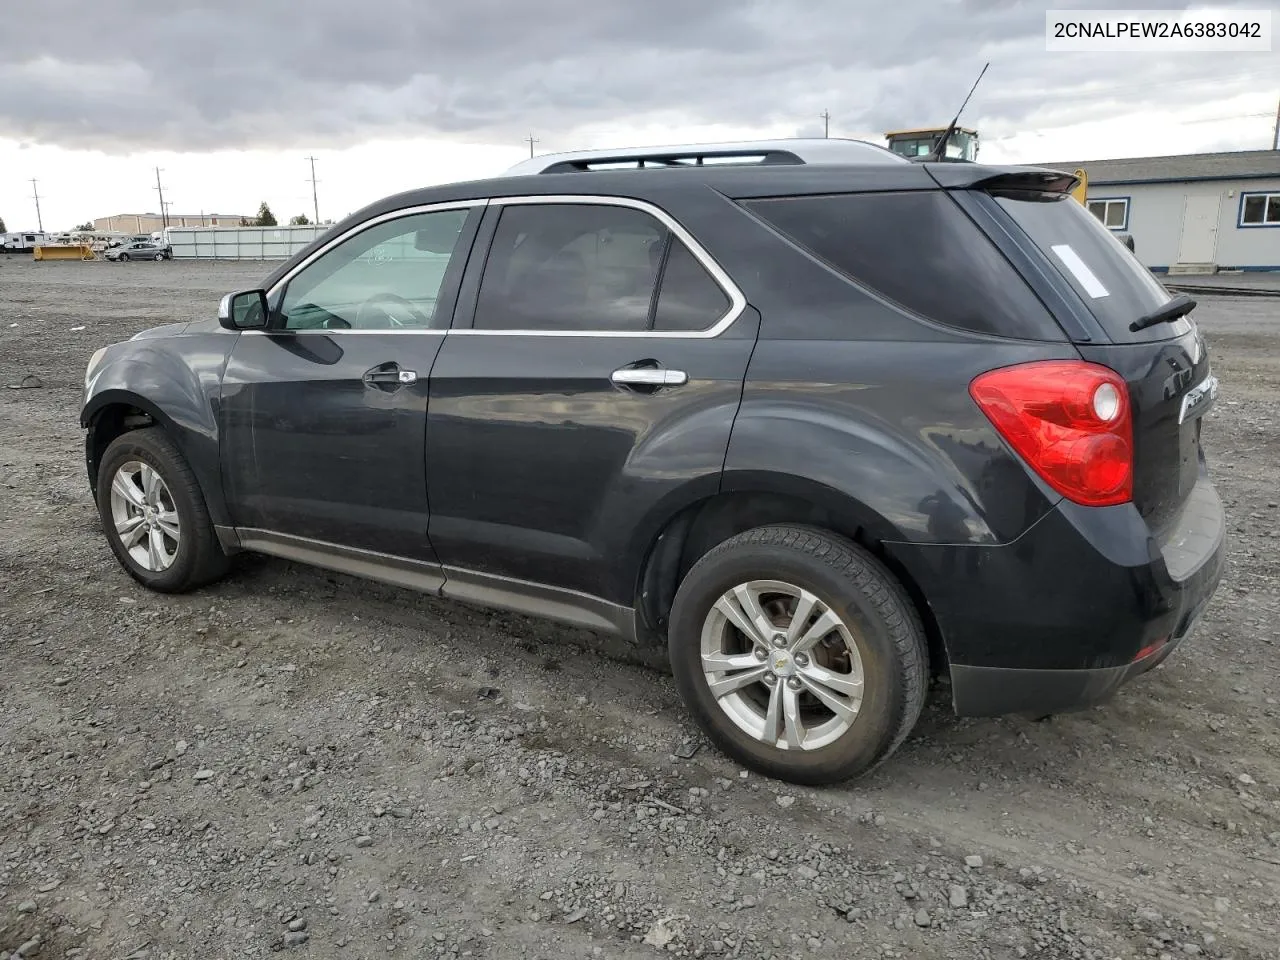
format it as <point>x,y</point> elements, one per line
<point>240,243</point>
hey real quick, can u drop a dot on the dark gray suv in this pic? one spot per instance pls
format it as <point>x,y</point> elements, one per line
<point>822,428</point>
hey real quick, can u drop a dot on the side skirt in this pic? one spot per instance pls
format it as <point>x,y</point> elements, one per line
<point>452,583</point>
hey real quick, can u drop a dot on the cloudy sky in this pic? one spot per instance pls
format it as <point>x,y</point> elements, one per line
<point>229,97</point>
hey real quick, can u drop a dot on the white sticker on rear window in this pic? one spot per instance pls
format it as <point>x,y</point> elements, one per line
<point>1080,270</point>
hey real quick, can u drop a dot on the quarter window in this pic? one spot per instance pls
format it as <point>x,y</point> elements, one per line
<point>917,249</point>
<point>690,299</point>
<point>1260,209</point>
<point>387,277</point>
<point>1114,214</point>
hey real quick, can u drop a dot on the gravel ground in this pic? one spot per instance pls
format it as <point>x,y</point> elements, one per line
<point>296,761</point>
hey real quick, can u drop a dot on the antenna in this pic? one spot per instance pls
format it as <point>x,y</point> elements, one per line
<point>940,148</point>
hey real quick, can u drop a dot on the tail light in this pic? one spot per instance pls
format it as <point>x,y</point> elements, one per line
<point>1070,421</point>
<point>1149,649</point>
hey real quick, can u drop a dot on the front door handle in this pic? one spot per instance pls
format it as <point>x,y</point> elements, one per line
<point>390,374</point>
<point>648,377</point>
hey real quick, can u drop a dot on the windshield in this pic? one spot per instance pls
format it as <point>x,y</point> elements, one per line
<point>1111,281</point>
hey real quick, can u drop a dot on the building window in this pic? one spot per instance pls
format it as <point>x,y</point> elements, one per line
<point>1260,210</point>
<point>1112,211</point>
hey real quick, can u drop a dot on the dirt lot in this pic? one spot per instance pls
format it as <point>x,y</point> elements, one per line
<point>297,761</point>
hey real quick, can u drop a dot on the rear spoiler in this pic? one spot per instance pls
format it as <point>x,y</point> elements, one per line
<point>954,176</point>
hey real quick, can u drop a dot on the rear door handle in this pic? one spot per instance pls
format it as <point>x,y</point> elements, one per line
<point>648,377</point>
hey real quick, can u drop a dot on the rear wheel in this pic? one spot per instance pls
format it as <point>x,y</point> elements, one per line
<point>154,514</point>
<point>158,257</point>
<point>798,654</point>
<point>123,258</point>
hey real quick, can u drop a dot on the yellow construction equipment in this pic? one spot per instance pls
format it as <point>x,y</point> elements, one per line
<point>1081,190</point>
<point>63,251</point>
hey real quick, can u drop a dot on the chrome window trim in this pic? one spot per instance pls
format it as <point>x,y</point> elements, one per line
<point>737,301</point>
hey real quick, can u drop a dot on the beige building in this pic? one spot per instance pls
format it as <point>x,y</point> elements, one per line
<point>151,222</point>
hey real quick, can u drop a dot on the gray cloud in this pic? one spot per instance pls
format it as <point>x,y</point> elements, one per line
<point>200,74</point>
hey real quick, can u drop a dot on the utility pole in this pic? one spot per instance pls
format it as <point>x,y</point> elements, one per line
<point>164,213</point>
<point>531,141</point>
<point>1275,140</point>
<point>35,195</point>
<point>315,203</point>
<point>826,123</point>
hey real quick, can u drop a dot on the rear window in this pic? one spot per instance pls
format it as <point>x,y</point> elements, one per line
<point>1116,287</point>
<point>920,251</point>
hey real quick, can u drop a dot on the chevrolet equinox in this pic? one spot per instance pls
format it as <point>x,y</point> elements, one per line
<point>826,422</point>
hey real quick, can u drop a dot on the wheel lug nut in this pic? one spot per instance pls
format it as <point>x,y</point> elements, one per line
<point>794,683</point>
<point>779,640</point>
<point>761,653</point>
<point>770,678</point>
<point>801,660</point>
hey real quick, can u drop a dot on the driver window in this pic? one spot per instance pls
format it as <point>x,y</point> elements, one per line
<point>384,278</point>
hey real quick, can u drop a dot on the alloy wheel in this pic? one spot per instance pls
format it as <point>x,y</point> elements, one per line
<point>145,516</point>
<point>782,665</point>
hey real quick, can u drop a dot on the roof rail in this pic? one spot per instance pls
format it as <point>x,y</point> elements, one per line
<point>748,152</point>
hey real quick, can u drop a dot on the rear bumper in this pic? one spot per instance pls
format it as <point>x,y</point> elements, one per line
<point>1081,603</point>
<point>993,691</point>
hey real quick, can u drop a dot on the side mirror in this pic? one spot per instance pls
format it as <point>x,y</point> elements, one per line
<point>439,238</point>
<point>246,310</point>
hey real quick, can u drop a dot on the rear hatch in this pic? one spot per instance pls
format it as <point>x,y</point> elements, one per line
<point>1165,365</point>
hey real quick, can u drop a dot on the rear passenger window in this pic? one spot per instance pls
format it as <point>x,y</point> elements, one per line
<point>690,299</point>
<point>918,250</point>
<point>572,266</point>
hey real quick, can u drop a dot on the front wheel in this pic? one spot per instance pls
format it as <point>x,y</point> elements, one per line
<point>798,654</point>
<point>123,258</point>
<point>154,514</point>
<point>159,257</point>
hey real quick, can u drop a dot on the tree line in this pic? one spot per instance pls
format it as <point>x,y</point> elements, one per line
<point>266,218</point>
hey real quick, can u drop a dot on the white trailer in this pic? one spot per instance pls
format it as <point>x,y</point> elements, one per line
<point>21,242</point>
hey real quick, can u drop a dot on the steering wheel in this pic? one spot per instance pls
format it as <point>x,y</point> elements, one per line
<point>408,316</point>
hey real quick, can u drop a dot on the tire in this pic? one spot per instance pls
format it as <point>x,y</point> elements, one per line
<point>123,258</point>
<point>875,617</point>
<point>158,257</point>
<point>198,558</point>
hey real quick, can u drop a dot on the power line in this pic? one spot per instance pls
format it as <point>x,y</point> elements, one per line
<point>1234,116</point>
<point>1089,92</point>
<point>35,195</point>
<point>315,203</point>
